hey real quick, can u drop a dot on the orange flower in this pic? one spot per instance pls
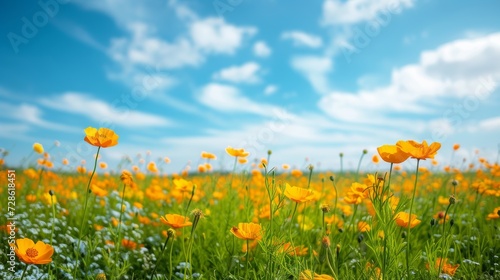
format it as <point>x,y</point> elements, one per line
<point>102,137</point>
<point>126,177</point>
<point>247,231</point>
<point>392,154</point>
<point>445,267</point>
<point>402,219</point>
<point>296,173</point>
<point>98,191</point>
<point>299,194</point>
<point>417,150</point>
<point>375,159</point>
<point>294,251</point>
<point>309,275</point>
<point>208,155</point>
<point>456,147</point>
<point>37,147</point>
<point>363,226</point>
<point>152,167</point>
<point>129,244</point>
<point>494,215</point>
<point>175,221</point>
<point>30,253</point>
<point>237,152</point>
<point>439,216</point>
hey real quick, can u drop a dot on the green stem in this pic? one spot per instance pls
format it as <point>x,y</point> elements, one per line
<point>409,223</point>
<point>328,251</point>
<point>170,262</point>
<point>444,239</point>
<point>52,230</point>
<point>385,256</point>
<point>85,212</point>
<point>88,191</point>
<point>359,165</point>
<point>310,175</point>
<point>247,257</point>
<point>24,271</point>
<point>160,256</point>
<point>118,238</point>
<point>39,180</point>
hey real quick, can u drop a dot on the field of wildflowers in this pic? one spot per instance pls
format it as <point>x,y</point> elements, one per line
<point>260,221</point>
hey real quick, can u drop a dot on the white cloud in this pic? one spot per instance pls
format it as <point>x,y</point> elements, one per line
<point>145,49</point>
<point>355,11</point>
<point>246,73</point>
<point>31,114</point>
<point>490,124</point>
<point>270,89</point>
<point>261,49</point>
<point>114,113</point>
<point>459,69</point>
<point>204,37</point>
<point>303,39</point>
<point>229,99</point>
<point>217,36</point>
<point>315,69</point>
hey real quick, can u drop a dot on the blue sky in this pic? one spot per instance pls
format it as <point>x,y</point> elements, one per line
<point>306,79</point>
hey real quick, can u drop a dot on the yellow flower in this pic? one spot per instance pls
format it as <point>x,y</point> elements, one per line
<point>102,137</point>
<point>247,231</point>
<point>392,154</point>
<point>100,276</point>
<point>237,152</point>
<point>37,147</point>
<point>309,275</point>
<point>30,253</point>
<point>299,194</point>
<point>183,185</point>
<point>417,150</point>
<point>353,197</point>
<point>402,219</point>
<point>48,199</point>
<point>175,221</point>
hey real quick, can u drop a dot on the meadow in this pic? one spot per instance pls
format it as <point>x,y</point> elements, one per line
<point>262,220</point>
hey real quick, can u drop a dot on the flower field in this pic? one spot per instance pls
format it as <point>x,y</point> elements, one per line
<point>262,220</point>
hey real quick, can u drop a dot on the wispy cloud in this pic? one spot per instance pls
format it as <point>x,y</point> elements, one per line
<point>114,113</point>
<point>261,49</point>
<point>79,33</point>
<point>337,12</point>
<point>270,89</point>
<point>303,39</point>
<point>227,98</point>
<point>315,69</point>
<point>31,114</point>
<point>246,73</point>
